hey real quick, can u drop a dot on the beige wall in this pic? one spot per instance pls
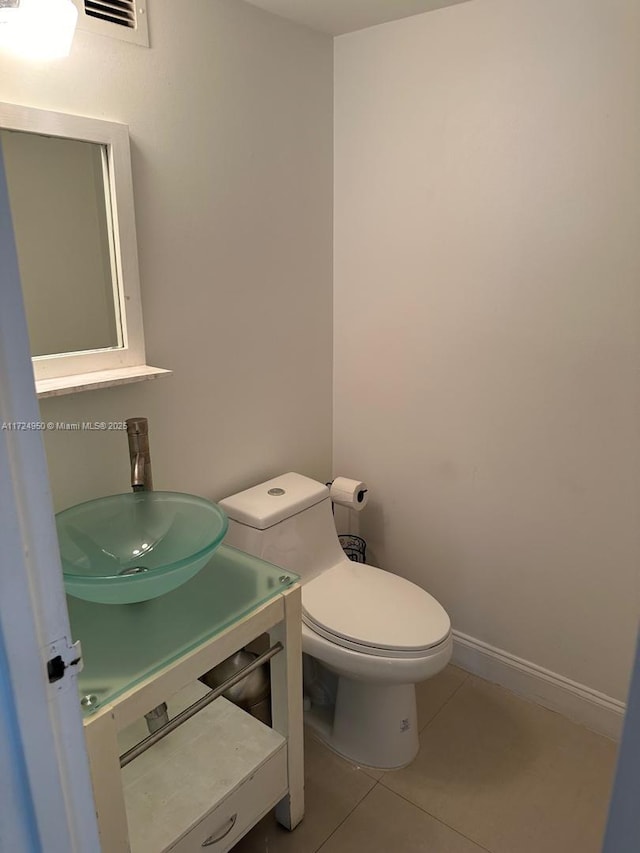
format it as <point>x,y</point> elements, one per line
<point>230,116</point>
<point>487,308</point>
<point>486,270</point>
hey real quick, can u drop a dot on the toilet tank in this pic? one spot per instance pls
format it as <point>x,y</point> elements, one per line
<point>287,521</point>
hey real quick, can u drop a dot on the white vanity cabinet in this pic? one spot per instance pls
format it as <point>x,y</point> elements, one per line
<point>205,784</point>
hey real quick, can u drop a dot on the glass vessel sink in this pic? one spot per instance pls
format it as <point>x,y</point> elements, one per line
<point>136,546</point>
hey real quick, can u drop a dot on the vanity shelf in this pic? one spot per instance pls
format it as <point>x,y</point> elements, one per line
<point>139,655</point>
<point>61,385</point>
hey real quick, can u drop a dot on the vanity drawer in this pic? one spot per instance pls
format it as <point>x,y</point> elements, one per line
<point>212,778</point>
<point>229,821</point>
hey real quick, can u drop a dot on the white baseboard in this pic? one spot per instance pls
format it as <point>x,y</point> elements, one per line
<point>595,710</point>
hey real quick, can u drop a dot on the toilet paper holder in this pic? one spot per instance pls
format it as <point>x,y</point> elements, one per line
<point>352,494</point>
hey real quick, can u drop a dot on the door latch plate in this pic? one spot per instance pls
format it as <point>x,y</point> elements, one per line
<point>62,657</point>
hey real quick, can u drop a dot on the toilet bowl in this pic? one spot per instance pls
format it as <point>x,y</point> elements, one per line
<point>369,635</point>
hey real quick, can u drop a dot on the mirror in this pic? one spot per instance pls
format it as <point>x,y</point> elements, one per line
<point>63,228</point>
<point>71,199</point>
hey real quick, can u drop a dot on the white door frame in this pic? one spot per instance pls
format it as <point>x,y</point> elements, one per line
<point>46,802</point>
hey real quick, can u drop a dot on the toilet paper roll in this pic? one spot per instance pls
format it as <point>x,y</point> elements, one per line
<point>351,493</point>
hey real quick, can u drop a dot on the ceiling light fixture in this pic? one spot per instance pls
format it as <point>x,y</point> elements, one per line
<point>37,29</point>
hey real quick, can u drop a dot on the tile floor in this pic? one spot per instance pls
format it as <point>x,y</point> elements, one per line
<point>494,773</point>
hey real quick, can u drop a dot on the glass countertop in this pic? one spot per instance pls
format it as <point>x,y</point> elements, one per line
<point>122,644</point>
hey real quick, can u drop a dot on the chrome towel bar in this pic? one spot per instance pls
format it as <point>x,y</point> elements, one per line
<point>193,709</point>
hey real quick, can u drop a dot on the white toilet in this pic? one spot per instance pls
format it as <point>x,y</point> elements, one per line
<point>368,636</point>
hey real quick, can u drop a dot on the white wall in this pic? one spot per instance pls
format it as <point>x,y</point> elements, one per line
<point>487,334</point>
<point>230,116</point>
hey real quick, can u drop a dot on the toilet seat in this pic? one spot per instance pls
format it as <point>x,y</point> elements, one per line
<point>374,612</point>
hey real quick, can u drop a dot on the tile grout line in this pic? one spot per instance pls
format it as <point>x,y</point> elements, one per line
<point>346,817</point>
<point>439,820</point>
<point>424,811</point>
<point>379,781</point>
<point>445,703</point>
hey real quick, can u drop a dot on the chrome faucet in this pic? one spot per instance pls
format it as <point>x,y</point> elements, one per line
<point>142,481</point>
<point>138,437</point>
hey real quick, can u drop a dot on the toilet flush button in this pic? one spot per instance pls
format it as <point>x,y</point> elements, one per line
<point>276,492</point>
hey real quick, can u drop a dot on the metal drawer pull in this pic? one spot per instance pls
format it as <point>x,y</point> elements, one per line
<point>189,712</point>
<point>213,839</point>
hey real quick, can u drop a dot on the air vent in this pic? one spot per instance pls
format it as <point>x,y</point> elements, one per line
<point>121,19</point>
<point>120,12</point>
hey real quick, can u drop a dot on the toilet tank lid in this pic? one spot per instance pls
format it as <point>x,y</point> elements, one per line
<point>266,504</point>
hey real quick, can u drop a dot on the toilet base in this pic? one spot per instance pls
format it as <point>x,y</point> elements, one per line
<point>373,724</point>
